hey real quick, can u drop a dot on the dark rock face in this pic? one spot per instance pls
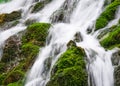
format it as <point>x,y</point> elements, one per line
<point>11,49</point>
<point>116,61</point>
<point>117,76</point>
<point>116,58</point>
<point>78,37</point>
<point>10,59</point>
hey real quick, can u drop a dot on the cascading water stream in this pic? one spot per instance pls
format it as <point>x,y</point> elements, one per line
<point>83,17</point>
<point>13,5</point>
<point>78,19</point>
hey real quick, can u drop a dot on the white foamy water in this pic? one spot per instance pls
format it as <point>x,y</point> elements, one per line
<point>82,17</point>
<point>99,65</point>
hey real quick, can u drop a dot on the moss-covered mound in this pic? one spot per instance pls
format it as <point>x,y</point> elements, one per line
<point>107,15</point>
<point>9,17</point>
<point>69,70</point>
<point>8,20</point>
<point>39,5</point>
<point>20,53</point>
<point>36,33</point>
<point>112,40</point>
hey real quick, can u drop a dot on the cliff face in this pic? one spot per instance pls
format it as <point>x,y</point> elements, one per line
<point>21,50</point>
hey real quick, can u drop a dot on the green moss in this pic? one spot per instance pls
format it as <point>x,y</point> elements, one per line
<point>36,33</point>
<point>20,56</point>
<point>69,70</point>
<point>15,84</point>
<point>38,6</point>
<point>2,77</point>
<point>29,49</point>
<point>10,17</point>
<point>107,15</point>
<point>13,76</point>
<point>3,1</point>
<point>112,40</point>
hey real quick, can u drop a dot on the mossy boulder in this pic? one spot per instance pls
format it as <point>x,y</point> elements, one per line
<point>8,17</point>
<point>70,69</point>
<point>8,20</point>
<point>112,40</point>
<point>36,33</point>
<point>20,52</point>
<point>39,5</point>
<point>107,15</point>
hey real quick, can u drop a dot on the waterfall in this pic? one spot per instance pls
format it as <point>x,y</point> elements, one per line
<point>82,17</point>
<point>68,17</point>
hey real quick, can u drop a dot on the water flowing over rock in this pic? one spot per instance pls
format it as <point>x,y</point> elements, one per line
<point>59,42</point>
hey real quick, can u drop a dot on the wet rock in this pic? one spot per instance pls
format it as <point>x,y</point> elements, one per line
<point>8,20</point>
<point>116,58</point>
<point>39,5</point>
<point>47,65</point>
<point>10,17</point>
<point>58,16</point>
<point>78,37</point>
<point>30,21</point>
<point>11,49</point>
<point>71,43</point>
<point>117,76</point>
<point>65,11</point>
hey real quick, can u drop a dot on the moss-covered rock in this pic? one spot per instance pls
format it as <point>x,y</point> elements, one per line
<point>112,40</point>
<point>20,52</point>
<point>9,17</point>
<point>70,69</point>
<point>11,49</point>
<point>107,15</point>
<point>8,20</point>
<point>36,33</point>
<point>15,84</point>
<point>13,76</point>
<point>39,5</point>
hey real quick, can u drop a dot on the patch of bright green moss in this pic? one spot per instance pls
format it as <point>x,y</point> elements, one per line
<point>112,40</point>
<point>107,15</point>
<point>69,70</point>
<point>36,33</point>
